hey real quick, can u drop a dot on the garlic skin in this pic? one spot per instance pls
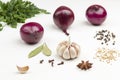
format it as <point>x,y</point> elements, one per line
<point>68,50</point>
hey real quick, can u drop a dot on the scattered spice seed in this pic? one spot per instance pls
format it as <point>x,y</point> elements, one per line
<point>107,55</point>
<point>52,64</point>
<point>84,65</point>
<point>50,60</point>
<point>61,63</point>
<point>105,37</point>
<point>114,43</point>
<point>41,61</point>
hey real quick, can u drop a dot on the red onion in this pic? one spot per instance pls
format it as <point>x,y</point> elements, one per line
<point>31,32</point>
<point>96,14</point>
<point>63,17</point>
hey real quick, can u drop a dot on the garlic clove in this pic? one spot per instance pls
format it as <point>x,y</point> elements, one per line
<point>73,52</point>
<point>61,49</point>
<point>77,48</point>
<point>66,54</point>
<point>23,70</point>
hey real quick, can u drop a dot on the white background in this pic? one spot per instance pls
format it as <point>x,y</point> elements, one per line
<point>13,51</point>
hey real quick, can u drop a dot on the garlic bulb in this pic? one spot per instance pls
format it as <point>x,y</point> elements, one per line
<point>68,50</point>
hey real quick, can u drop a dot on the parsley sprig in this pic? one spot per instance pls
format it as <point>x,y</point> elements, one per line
<point>17,11</point>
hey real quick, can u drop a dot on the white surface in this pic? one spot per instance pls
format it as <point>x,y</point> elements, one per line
<point>13,51</point>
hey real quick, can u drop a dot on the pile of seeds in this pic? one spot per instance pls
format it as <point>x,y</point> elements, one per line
<point>105,37</point>
<point>107,55</point>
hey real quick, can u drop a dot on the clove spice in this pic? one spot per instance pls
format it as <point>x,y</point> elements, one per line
<point>41,61</point>
<point>52,62</point>
<point>61,63</point>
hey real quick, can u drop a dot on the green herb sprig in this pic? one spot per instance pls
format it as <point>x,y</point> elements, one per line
<point>17,11</point>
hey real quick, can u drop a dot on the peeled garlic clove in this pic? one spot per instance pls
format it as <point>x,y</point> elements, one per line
<point>73,52</point>
<point>66,54</point>
<point>23,70</point>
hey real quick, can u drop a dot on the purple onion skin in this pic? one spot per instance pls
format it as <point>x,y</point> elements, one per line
<point>63,17</point>
<point>31,32</point>
<point>96,14</point>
